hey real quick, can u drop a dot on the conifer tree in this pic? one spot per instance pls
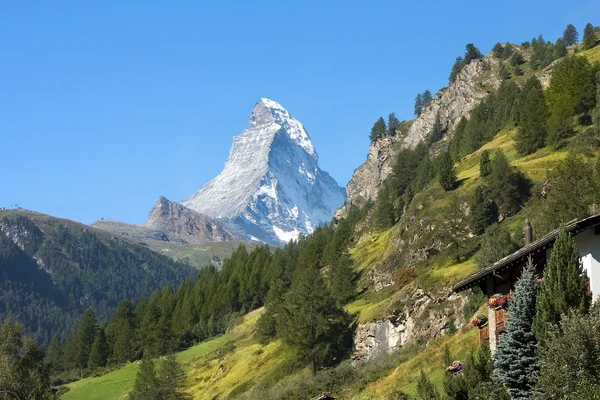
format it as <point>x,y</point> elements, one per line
<point>146,385</point>
<point>171,379</point>
<point>121,333</point>
<point>456,68</point>
<point>596,111</point>
<point>437,130</point>
<point>516,364</point>
<point>506,184</point>
<point>471,53</point>
<point>310,323</point>
<point>426,97</point>
<point>483,211</point>
<point>384,212</point>
<point>418,105</point>
<point>533,120</point>
<point>570,35</point>
<point>496,244</point>
<point>100,351</point>
<point>498,50</point>
<point>342,280</point>
<point>426,390</point>
<point>266,326</point>
<point>589,36</point>
<point>447,173</point>
<point>560,50</point>
<point>85,337</point>
<point>393,123</point>
<point>378,129</point>
<point>54,355</point>
<point>563,288</point>
<point>485,165</point>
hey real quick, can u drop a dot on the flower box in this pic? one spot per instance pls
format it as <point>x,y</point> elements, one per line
<point>480,320</point>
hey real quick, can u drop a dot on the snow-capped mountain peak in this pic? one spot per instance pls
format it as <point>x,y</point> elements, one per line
<point>271,185</point>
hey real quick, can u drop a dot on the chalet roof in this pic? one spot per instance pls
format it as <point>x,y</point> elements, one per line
<point>518,257</point>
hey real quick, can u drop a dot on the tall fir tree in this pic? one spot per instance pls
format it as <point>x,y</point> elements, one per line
<point>384,209</point>
<point>426,97</point>
<point>393,123</point>
<point>100,351</point>
<point>85,337</point>
<point>532,131</point>
<point>485,165</point>
<point>507,185</point>
<point>456,68</point>
<point>146,386</point>
<point>483,211</point>
<point>596,110</point>
<point>121,333</point>
<point>378,129</point>
<point>54,355</point>
<point>516,364</point>
<point>570,35</point>
<point>447,173</point>
<point>471,53</point>
<point>564,286</point>
<point>171,379</point>
<point>310,323</point>
<point>589,36</point>
<point>418,105</point>
<point>342,280</point>
<point>437,131</point>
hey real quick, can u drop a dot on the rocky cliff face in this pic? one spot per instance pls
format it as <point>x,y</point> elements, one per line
<point>271,186</point>
<point>451,103</point>
<point>179,223</point>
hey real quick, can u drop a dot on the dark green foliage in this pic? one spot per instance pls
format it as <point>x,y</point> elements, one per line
<point>121,333</point>
<point>483,211</point>
<point>266,327</point>
<point>507,185</point>
<point>485,164</point>
<point>437,131</point>
<point>516,364</point>
<point>378,129</point>
<point>496,244</point>
<point>100,351</point>
<point>426,390</point>
<point>418,105</point>
<point>533,118</point>
<point>570,362</point>
<point>564,286</point>
<point>471,53</point>
<point>23,372</point>
<point>596,111</point>
<point>171,380</point>
<point>384,209</point>
<point>589,37</point>
<point>54,354</point>
<point>311,324</point>
<point>572,91</point>
<point>516,59</point>
<point>560,50</point>
<point>455,143</point>
<point>456,68</point>
<point>426,97</point>
<point>542,53</point>
<point>570,35</point>
<point>342,280</point>
<point>85,338</point>
<point>572,191</point>
<point>393,123</point>
<point>146,386</point>
<point>447,173</point>
<point>504,72</point>
<point>498,50</point>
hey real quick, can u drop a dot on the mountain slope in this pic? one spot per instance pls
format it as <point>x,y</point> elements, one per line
<point>52,269</point>
<point>271,185</point>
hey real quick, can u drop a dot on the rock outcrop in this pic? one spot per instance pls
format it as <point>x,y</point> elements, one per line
<point>473,84</point>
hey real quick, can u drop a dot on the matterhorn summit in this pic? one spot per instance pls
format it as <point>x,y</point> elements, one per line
<point>271,186</point>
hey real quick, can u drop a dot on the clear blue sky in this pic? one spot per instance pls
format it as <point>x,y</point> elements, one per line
<point>106,105</point>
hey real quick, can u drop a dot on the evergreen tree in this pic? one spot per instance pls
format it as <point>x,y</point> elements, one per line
<point>378,129</point>
<point>596,111</point>
<point>310,323</point>
<point>560,50</point>
<point>342,278</point>
<point>483,211</point>
<point>54,355</point>
<point>456,68</point>
<point>570,35</point>
<point>589,36</point>
<point>266,326</point>
<point>563,288</point>
<point>85,337</point>
<point>393,123</point>
<point>146,385</point>
<point>507,185</point>
<point>485,165</point>
<point>498,50</point>
<point>384,211</point>
<point>496,244</point>
<point>531,134</point>
<point>426,390</point>
<point>418,105</point>
<point>516,59</point>
<point>121,333</point>
<point>570,363</point>
<point>504,72</point>
<point>437,131</point>
<point>471,53</point>
<point>447,173</point>
<point>171,379</point>
<point>99,352</point>
<point>516,363</point>
<point>426,97</point>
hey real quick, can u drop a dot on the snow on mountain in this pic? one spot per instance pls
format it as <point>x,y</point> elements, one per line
<point>271,185</point>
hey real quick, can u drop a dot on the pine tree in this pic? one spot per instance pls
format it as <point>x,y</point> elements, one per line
<point>418,105</point>
<point>560,50</point>
<point>471,53</point>
<point>498,50</point>
<point>589,36</point>
<point>447,173</point>
<point>426,97</point>
<point>563,288</point>
<point>342,278</point>
<point>393,123</point>
<point>456,68</point>
<point>516,364</point>
<point>570,35</point>
<point>437,131</point>
<point>496,244</point>
<point>85,337</point>
<point>146,385</point>
<point>485,165</point>
<point>121,333</point>
<point>378,129</point>
<point>54,355</point>
<point>596,111</point>
<point>266,326</point>
<point>99,352</point>
<point>310,323</point>
<point>384,211</point>
<point>171,379</point>
<point>533,120</point>
<point>504,72</point>
<point>483,211</point>
<point>426,390</point>
<point>506,184</point>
